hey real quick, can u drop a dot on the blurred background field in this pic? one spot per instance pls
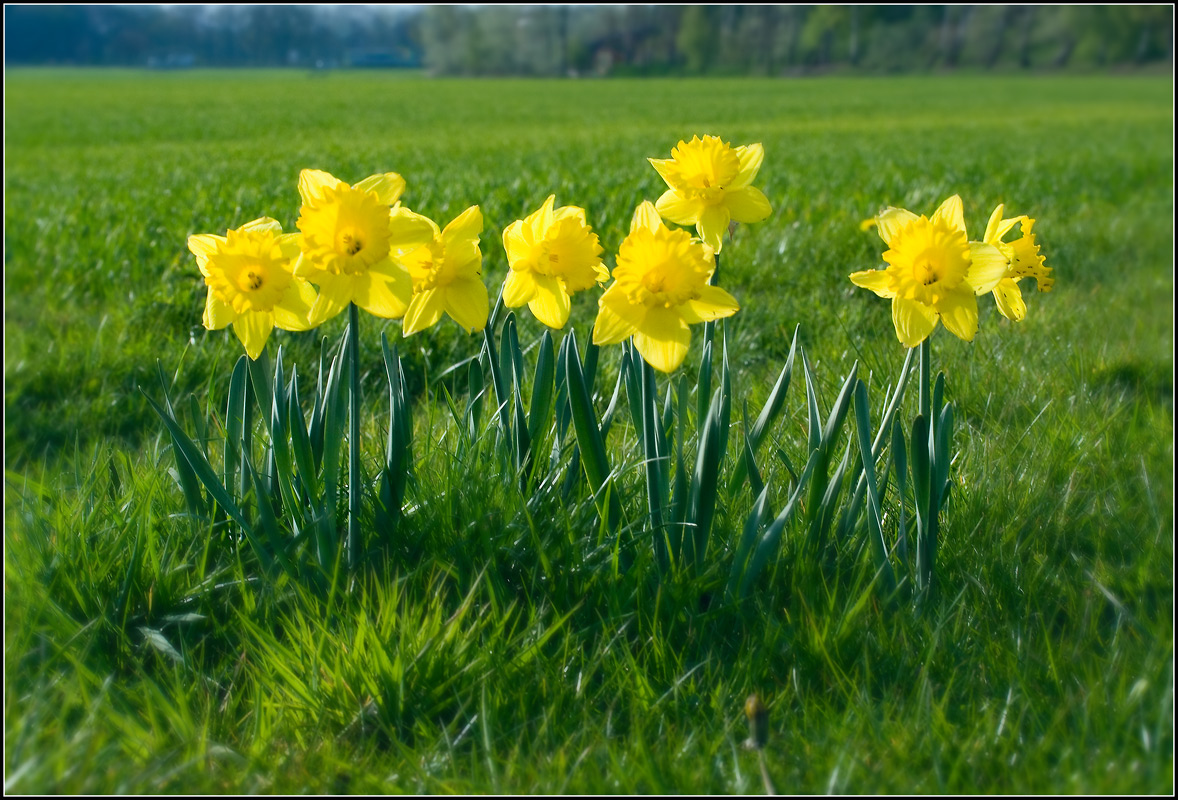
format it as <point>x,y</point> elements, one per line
<point>1050,671</point>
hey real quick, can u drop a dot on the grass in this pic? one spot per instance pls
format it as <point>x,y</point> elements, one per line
<point>496,650</point>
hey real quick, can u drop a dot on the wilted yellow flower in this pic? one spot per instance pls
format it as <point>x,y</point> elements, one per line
<point>934,272</point>
<point>552,254</point>
<point>1023,261</point>
<point>709,186</point>
<point>348,245</point>
<point>446,272</point>
<point>660,287</point>
<point>251,286</point>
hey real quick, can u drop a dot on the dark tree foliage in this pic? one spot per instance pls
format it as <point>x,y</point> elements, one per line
<point>560,40</point>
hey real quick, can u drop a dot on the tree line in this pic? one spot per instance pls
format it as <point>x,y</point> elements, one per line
<point>597,40</point>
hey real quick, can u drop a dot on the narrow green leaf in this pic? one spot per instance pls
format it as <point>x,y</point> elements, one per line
<point>838,412</point>
<point>703,387</point>
<point>814,419</point>
<point>919,453</point>
<point>301,445</point>
<point>189,484</point>
<point>900,460</point>
<point>235,421</point>
<point>752,526</point>
<point>201,468</point>
<point>770,542</point>
<point>879,548</point>
<point>589,442</point>
<point>705,481</point>
<point>776,399</point>
<point>476,389</point>
<point>543,388</point>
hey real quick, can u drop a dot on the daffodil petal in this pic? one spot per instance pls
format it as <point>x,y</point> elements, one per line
<point>550,304</point>
<point>663,339</point>
<point>335,292</point>
<point>565,212</point>
<point>515,244</point>
<point>713,303</point>
<point>408,231</point>
<point>542,219</point>
<point>1009,299</point>
<point>877,280</point>
<point>293,312</point>
<point>992,235</point>
<point>518,288</point>
<point>646,216</point>
<point>748,204</point>
<point>384,290</point>
<point>712,226</point>
<point>466,301</point>
<point>203,245</point>
<point>218,313</point>
<point>667,169</point>
<point>891,221</point>
<point>678,208</point>
<point>312,182</point>
<point>388,187</point>
<point>466,226</point>
<point>959,311</point>
<point>751,156</point>
<point>914,321</point>
<point>617,319</point>
<point>425,310</point>
<point>987,267</point>
<point>951,213</point>
<point>253,329</point>
<point>262,224</point>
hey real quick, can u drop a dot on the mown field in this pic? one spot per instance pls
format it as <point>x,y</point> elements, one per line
<point>497,648</point>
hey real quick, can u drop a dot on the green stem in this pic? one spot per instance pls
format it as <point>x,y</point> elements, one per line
<point>353,542</point>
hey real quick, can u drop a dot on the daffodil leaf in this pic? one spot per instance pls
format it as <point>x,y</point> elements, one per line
<point>752,526</point>
<point>476,389</point>
<point>540,408</point>
<point>900,460</point>
<point>187,478</point>
<point>770,541</point>
<point>301,446</point>
<point>874,522</point>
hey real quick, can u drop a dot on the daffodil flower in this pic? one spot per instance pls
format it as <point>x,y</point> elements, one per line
<point>935,273</point>
<point>1023,261</point>
<point>349,247</point>
<point>660,287</point>
<point>709,187</point>
<point>251,285</point>
<point>552,254</point>
<point>446,272</point>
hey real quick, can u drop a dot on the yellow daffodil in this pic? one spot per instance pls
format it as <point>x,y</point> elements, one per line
<point>934,272</point>
<point>709,186</point>
<point>660,287</point>
<point>552,254</point>
<point>349,246</point>
<point>1023,261</point>
<point>446,272</point>
<point>251,285</point>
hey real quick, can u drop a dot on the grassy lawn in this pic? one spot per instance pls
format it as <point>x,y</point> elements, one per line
<point>497,646</point>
